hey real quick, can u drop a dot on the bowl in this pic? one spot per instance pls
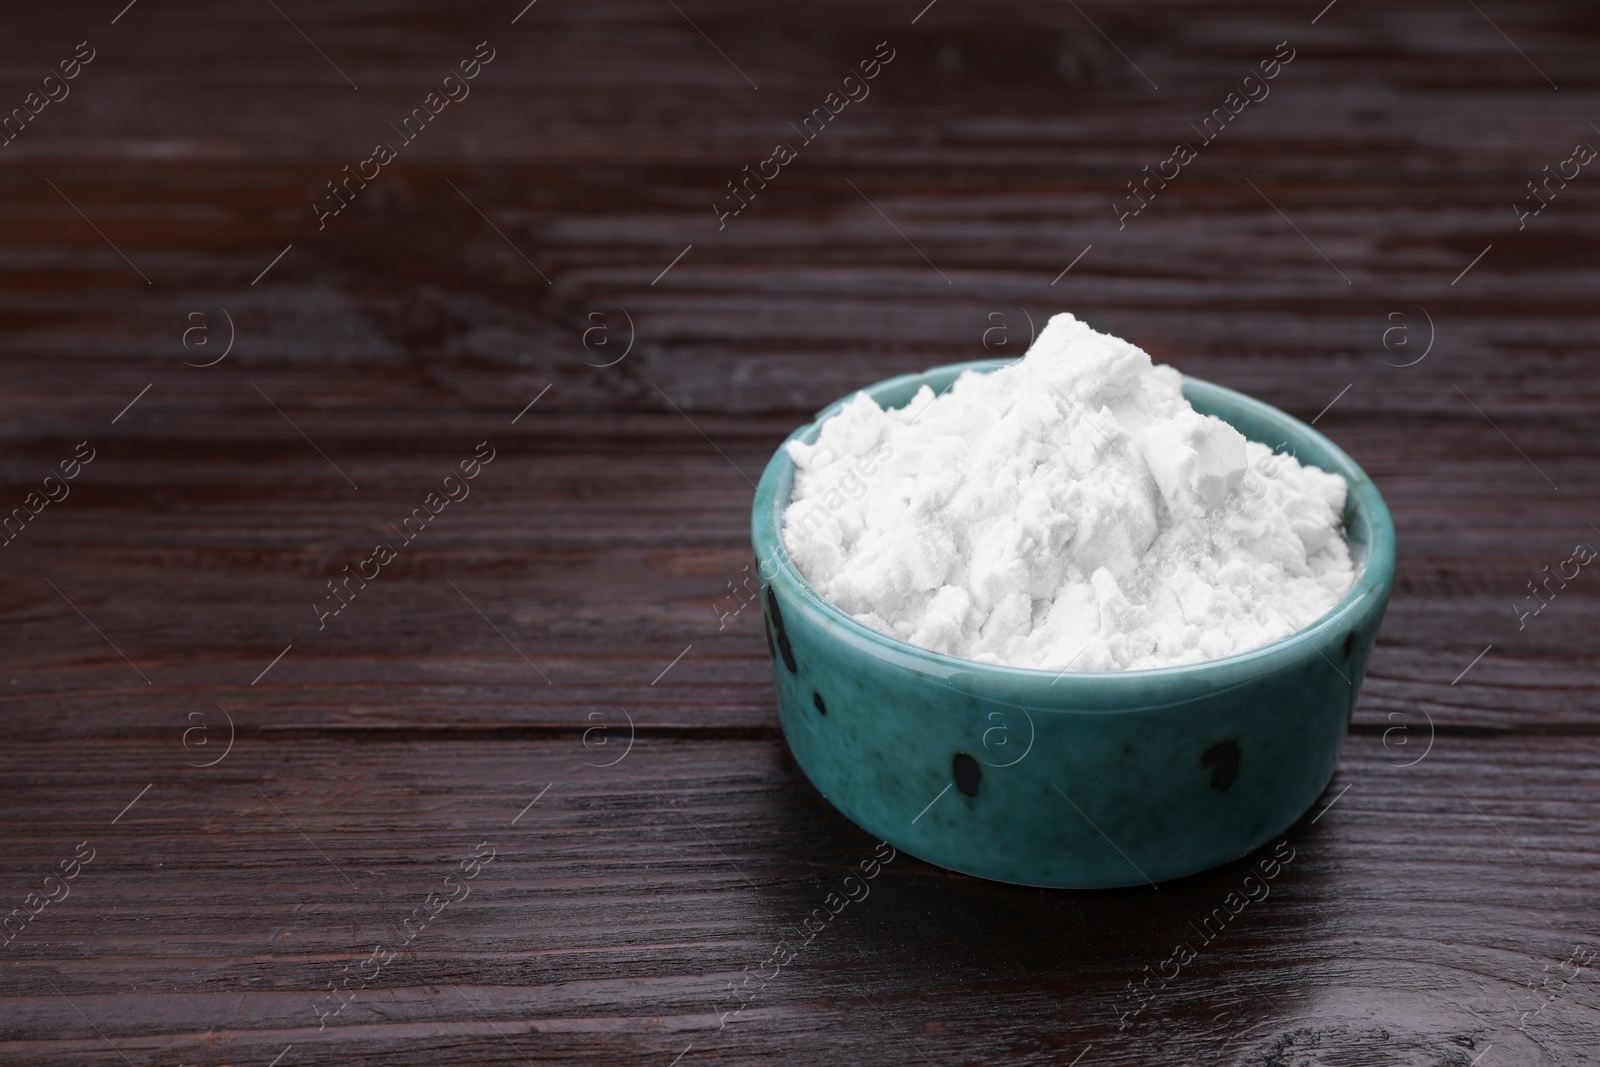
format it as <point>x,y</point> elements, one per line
<point>1075,779</point>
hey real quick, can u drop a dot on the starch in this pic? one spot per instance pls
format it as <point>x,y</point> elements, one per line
<point>1069,511</point>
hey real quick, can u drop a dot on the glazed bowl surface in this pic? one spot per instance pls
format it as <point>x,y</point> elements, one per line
<point>1075,779</point>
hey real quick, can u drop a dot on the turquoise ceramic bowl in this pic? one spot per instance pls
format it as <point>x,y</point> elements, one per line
<point>1078,779</point>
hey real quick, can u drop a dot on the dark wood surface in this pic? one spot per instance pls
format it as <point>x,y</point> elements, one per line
<point>1440,912</point>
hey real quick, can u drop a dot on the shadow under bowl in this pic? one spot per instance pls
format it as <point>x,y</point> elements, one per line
<point>1081,779</point>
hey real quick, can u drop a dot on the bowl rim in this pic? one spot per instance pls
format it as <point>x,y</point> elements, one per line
<point>1368,593</point>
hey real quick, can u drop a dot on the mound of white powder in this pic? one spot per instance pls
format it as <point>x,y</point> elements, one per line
<point>1068,511</point>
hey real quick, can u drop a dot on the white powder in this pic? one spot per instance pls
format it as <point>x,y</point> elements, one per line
<point>1070,510</point>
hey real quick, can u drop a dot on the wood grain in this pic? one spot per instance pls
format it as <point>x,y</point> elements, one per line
<point>620,905</point>
<point>930,223</point>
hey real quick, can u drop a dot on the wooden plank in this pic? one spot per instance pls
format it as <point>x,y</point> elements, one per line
<point>1415,912</point>
<point>1422,908</point>
<point>601,551</point>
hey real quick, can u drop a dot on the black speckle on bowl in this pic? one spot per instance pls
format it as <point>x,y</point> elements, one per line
<point>1223,759</point>
<point>1349,644</point>
<point>776,617</point>
<point>967,773</point>
<point>816,698</point>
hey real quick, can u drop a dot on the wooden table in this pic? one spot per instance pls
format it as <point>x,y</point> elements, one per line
<point>551,672</point>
